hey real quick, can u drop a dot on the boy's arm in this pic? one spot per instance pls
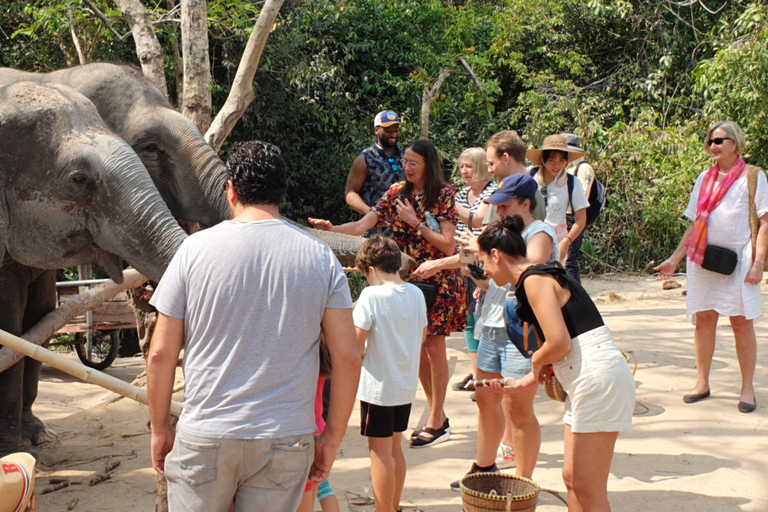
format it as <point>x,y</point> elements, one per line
<point>362,336</point>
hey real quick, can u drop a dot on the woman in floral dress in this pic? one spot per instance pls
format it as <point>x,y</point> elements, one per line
<point>423,219</point>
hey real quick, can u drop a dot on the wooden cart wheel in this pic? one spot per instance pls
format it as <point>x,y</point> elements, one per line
<point>103,349</point>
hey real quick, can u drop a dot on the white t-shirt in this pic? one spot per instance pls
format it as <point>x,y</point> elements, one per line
<point>395,317</point>
<point>557,201</point>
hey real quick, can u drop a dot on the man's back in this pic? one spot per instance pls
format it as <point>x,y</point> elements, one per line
<point>253,295</point>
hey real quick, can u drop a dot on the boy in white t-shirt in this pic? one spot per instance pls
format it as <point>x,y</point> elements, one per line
<point>391,322</point>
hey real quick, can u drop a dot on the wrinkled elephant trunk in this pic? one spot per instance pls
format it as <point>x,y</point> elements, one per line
<point>213,178</point>
<point>136,223</point>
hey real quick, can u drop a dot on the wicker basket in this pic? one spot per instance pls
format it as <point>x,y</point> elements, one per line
<point>485,492</point>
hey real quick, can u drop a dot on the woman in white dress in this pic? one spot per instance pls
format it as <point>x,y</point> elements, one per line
<point>720,209</point>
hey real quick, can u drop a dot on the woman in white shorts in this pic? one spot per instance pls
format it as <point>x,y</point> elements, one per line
<point>579,346</point>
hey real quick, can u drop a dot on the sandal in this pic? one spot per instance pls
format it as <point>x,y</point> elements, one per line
<point>417,431</point>
<point>439,435</point>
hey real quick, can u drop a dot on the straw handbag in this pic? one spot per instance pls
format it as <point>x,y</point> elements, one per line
<point>552,386</point>
<point>752,172</point>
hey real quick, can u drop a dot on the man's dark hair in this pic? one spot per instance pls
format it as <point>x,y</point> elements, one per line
<point>380,252</point>
<point>257,171</point>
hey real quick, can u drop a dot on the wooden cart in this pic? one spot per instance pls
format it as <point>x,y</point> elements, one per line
<point>97,333</point>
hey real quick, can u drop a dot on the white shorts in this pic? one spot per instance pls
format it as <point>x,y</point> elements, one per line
<point>599,383</point>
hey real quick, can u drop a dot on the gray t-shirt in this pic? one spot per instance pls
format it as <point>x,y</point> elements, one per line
<point>252,296</point>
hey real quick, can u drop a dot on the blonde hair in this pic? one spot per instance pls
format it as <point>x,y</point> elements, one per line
<point>476,158</point>
<point>732,130</point>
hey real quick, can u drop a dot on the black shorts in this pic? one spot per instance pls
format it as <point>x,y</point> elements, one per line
<point>382,420</point>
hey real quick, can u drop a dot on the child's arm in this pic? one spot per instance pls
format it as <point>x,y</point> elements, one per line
<point>362,335</point>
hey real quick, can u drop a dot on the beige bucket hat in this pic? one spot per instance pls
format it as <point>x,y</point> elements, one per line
<point>556,142</point>
<point>17,481</point>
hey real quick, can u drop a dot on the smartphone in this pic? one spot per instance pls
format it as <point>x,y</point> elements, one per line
<point>466,256</point>
<point>477,272</point>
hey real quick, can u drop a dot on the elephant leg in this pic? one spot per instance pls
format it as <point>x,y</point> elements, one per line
<point>40,301</point>
<point>13,296</point>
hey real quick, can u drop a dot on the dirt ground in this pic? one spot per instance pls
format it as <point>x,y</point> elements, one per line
<point>685,458</point>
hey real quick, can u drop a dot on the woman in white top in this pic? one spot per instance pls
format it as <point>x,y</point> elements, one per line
<point>552,159</point>
<point>497,356</point>
<point>720,209</point>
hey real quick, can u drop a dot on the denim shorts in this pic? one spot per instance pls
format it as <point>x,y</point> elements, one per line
<point>496,354</point>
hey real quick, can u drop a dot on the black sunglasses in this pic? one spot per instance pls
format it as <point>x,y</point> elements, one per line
<point>719,141</point>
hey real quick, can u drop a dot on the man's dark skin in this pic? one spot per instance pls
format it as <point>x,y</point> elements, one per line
<point>387,138</point>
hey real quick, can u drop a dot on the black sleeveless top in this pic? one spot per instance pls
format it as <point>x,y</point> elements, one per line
<point>580,313</point>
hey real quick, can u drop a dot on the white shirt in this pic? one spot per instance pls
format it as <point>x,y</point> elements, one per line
<point>556,194</point>
<point>395,317</point>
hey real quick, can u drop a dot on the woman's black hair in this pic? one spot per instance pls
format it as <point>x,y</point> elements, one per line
<point>505,236</point>
<point>534,202</point>
<point>433,175</point>
<point>547,153</point>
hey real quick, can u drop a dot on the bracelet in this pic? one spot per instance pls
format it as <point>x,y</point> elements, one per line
<point>568,237</point>
<point>418,228</point>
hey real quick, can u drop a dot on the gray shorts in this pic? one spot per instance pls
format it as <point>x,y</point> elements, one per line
<point>496,354</point>
<point>207,474</point>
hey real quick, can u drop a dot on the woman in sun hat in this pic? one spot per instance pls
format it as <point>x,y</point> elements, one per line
<point>17,482</point>
<point>552,158</point>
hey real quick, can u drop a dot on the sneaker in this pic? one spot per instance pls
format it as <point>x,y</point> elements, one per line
<point>506,457</point>
<point>456,486</point>
<point>465,384</point>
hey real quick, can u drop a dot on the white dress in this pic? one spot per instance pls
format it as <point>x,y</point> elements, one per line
<point>728,227</point>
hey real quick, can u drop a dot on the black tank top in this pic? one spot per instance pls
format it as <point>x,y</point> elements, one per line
<point>580,313</point>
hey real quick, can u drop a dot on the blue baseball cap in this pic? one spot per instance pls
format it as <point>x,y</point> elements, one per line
<point>385,119</point>
<point>517,185</point>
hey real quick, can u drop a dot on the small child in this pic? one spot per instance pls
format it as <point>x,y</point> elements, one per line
<point>391,322</point>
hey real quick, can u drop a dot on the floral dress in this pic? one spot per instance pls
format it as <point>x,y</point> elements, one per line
<point>449,312</point>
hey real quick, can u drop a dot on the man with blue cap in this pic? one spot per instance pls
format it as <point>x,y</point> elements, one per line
<point>376,169</point>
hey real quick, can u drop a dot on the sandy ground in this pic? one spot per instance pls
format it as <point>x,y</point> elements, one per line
<point>687,458</point>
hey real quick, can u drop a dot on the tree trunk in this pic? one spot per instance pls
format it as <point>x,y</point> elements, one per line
<point>241,95</point>
<point>59,317</point>
<point>148,48</point>
<point>197,66</point>
<point>178,64</point>
<point>429,97</point>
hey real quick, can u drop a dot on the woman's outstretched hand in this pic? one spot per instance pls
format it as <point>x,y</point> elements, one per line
<point>667,270</point>
<point>321,224</point>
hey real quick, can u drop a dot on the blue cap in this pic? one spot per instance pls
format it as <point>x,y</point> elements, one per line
<point>385,119</point>
<point>517,185</point>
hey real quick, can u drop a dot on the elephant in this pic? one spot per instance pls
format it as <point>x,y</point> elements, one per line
<point>71,192</point>
<point>188,173</point>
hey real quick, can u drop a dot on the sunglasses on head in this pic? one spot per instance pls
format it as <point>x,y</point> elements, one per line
<point>719,141</point>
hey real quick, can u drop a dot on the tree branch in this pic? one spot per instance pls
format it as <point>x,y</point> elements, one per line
<point>97,12</point>
<point>464,63</point>
<point>75,40</point>
<point>241,95</point>
<point>429,97</point>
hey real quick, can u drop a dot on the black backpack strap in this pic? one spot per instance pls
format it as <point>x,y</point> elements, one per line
<point>570,179</point>
<point>533,172</point>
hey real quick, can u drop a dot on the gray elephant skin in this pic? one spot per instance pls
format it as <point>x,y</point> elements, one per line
<point>71,192</point>
<point>188,173</point>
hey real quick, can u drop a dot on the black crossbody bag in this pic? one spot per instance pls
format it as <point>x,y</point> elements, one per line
<point>720,260</point>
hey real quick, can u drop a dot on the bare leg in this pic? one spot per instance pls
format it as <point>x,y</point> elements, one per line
<point>473,358</point>
<point>398,459</point>
<point>490,421</point>
<point>382,473</point>
<point>330,504</point>
<point>438,365</point>
<point>704,339</point>
<point>585,471</point>
<point>425,374</point>
<point>509,432</point>
<point>527,432</point>
<point>746,350</point>
<point>308,500</point>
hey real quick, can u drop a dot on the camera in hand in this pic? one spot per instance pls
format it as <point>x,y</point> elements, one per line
<point>477,272</point>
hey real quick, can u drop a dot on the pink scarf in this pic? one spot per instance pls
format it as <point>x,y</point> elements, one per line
<point>708,200</point>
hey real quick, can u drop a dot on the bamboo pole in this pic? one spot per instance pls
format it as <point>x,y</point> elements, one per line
<point>80,371</point>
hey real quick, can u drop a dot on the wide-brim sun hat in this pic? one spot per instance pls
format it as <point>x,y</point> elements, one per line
<point>17,481</point>
<point>557,143</point>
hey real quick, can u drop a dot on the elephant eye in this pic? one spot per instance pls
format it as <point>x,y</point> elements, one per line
<point>152,148</point>
<point>79,177</point>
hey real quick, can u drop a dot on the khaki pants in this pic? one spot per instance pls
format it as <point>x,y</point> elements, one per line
<point>207,474</point>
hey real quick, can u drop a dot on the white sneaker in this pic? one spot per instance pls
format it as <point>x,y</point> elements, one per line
<point>505,457</point>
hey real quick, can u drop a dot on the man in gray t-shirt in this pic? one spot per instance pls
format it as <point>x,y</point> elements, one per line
<point>248,300</point>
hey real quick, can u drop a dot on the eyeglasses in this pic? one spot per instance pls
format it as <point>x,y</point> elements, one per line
<point>719,141</point>
<point>412,163</point>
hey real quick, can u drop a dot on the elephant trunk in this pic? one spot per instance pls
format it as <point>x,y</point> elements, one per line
<point>211,175</point>
<point>135,223</point>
